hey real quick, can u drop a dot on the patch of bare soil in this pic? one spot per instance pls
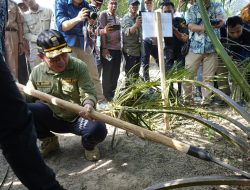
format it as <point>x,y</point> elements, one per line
<point>134,163</point>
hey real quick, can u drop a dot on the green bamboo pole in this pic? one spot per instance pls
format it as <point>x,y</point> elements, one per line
<point>222,53</point>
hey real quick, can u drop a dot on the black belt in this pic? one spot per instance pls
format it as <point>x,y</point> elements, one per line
<point>11,29</point>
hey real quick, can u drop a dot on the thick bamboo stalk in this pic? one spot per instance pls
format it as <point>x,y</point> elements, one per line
<point>141,132</point>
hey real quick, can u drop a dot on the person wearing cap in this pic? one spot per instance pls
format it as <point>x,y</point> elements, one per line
<point>150,46</point>
<point>132,40</point>
<point>36,19</point>
<point>13,38</point>
<point>65,77</point>
<point>17,131</point>
<point>72,18</point>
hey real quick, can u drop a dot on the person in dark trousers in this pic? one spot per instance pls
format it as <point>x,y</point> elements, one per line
<point>150,46</point>
<point>17,134</point>
<point>111,50</point>
<point>132,41</point>
<point>68,78</point>
<point>173,44</point>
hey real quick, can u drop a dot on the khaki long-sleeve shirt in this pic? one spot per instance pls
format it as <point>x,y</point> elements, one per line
<point>73,85</point>
<point>35,23</point>
<point>15,20</point>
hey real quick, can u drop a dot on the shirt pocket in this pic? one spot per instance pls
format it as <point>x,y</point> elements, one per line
<point>69,89</point>
<point>45,20</point>
<point>31,23</point>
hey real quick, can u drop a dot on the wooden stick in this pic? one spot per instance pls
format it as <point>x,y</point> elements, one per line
<point>162,66</point>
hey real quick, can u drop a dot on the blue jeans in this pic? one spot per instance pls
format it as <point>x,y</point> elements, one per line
<point>18,139</point>
<point>92,132</point>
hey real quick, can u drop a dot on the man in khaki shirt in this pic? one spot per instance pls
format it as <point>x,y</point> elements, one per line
<point>68,78</point>
<point>13,38</point>
<point>36,20</point>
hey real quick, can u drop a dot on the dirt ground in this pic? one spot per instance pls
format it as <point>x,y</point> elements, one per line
<point>134,163</point>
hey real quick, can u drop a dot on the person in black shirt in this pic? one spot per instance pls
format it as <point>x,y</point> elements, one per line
<point>173,44</point>
<point>235,37</point>
<point>17,132</point>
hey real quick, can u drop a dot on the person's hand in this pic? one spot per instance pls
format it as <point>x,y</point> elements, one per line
<point>20,49</point>
<point>88,108</point>
<point>105,52</point>
<point>138,22</point>
<point>108,28</point>
<point>184,37</point>
<point>201,28</point>
<point>83,14</point>
<point>91,22</point>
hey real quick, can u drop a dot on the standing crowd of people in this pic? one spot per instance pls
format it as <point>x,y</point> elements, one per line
<point>75,53</point>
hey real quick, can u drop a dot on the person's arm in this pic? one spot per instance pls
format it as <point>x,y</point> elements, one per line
<point>63,20</point>
<point>196,28</point>
<point>128,27</point>
<point>192,19</point>
<point>220,16</point>
<point>137,25</point>
<point>87,91</point>
<point>103,22</point>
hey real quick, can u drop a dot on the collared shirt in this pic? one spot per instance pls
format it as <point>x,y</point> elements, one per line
<point>73,85</point>
<point>15,20</point>
<point>35,23</point>
<point>200,41</point>
<point>113,39</point>
<point>3,19</point>
<point>131,42</point>
<point>65,10</point>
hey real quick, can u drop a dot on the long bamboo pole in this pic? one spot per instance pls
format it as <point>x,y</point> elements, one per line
<point>138,131</point>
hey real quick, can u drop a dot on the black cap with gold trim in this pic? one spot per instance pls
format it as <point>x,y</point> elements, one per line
<point>52,43</point>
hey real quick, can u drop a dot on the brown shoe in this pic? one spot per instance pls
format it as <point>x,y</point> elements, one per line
<point>92,155</point>
<point>49,145</point>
